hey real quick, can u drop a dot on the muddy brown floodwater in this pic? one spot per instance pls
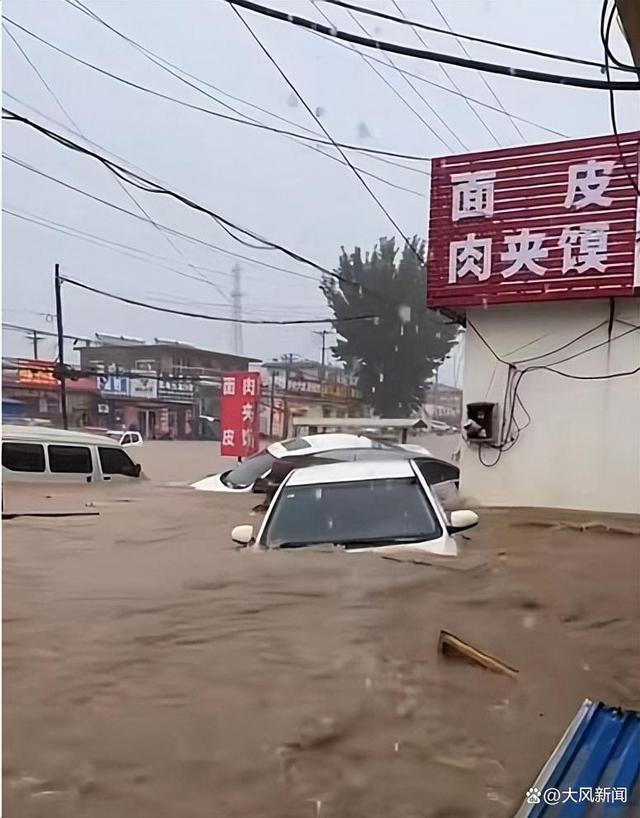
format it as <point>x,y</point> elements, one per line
<point>152,671</point>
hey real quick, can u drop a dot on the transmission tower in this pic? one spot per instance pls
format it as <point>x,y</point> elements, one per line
<point>236,309</point>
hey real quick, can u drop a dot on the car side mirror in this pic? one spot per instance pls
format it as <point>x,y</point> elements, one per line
<point>260,486</point>
<point>242,534</point>
<point>461,520</point>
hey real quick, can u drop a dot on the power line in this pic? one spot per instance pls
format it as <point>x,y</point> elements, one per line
<point>173,231</point>
<point>165,65</point>
<point>19,328</point>
<point>42,79</point>
<point>434,56</point>
<point>145,184</point>
<point>420,78</point>
<point>480,74</point>
<point>507,46</point>
<point>605,34</point>
<point>120,184</point>
<point>448,76</point>
<point>69,230</point>
<point>239,121</point>
<point>204,316</point>
<point>397,93</point>
<point>284,76</point>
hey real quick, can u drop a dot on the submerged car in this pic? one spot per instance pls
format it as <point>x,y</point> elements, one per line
<point>328,447</point>
<point>442,476</point>
<point>382,506</point>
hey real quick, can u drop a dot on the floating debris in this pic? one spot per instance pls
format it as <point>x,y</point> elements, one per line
<point>451,646</point>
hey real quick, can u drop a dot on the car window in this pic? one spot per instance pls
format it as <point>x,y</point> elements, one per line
<point>115,461</point>
<point>335,455</point>
<point>247,472</point>
<point>438,471</point>
<point>295,443</point>
<point>70,460</point>
<point>376,512</point>
<point>23,457</point>
<point>126,440</point>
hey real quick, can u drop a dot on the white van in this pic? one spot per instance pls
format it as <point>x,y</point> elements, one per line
<point>39,454</point>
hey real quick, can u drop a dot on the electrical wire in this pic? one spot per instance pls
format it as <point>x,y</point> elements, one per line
<point>507,46</point>
<point>42,79</point>
<point>607,49</point>
<point>391,63</point>
<point>510,429</point>
<point>204,316</point>
<point>448,90</point>
<point>434,56</point>
<point>605,33</point>
<point>480,74</point>
<point>361,179</point>
<point>116,247</point>
<point>167,65</point>
<point>173,231</point>
<point>144,184</point>
<point>239,121</point>
<point>120,184</point>
<point>446,73</point>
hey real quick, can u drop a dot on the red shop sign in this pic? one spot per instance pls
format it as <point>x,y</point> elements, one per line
<point>240,414</point>
<point>535,223</point>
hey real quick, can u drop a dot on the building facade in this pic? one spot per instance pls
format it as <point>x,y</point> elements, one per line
<point>296,388</point>
<point>162,389</point>
<point>34,393</point>
<point>535,250</point>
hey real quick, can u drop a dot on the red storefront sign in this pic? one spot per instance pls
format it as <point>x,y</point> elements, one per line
<point>240,413</point>
<point>536,223</point>
<point>39,375</point>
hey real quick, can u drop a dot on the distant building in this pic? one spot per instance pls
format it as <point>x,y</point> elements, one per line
<point>443,403</point>
<point>306,388</point>
<point>161,389</point>
<point>31,390</point>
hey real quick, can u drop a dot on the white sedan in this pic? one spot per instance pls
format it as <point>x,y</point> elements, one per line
<point>332,446</point>
<point>381,506</point>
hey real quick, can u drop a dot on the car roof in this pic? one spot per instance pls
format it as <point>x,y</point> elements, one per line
<point>45,434</point>
<point>352,471</point>
<point>319,443</point>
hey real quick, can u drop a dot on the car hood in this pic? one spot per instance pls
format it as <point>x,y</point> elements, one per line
<point>213,482</point>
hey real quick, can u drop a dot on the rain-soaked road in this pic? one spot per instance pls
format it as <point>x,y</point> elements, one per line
<point>152,671</point>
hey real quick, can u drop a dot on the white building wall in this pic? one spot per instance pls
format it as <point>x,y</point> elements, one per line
<point>582,447</point>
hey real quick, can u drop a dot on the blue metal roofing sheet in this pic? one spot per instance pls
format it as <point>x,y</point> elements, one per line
<point>595,768</point>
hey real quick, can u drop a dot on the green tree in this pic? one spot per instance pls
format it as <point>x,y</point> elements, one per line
<point>395,353</point>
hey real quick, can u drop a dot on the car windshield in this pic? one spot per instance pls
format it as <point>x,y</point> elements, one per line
<point>375,512</point>
<point>247,472</point>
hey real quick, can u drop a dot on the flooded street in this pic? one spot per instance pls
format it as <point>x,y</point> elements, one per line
<point>152,670</point>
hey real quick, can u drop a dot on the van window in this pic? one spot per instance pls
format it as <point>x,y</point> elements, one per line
<point>115,461</point>
<point>23,457</point>
<point>70,459</point>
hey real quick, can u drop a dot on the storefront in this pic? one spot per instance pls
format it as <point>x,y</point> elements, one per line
<point>34,385</point>
<point>156,407</point>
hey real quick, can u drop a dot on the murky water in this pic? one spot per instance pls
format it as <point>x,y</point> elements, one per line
<point>152,670</point>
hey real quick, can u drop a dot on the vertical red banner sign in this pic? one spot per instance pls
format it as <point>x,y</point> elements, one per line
<point>240,414</point>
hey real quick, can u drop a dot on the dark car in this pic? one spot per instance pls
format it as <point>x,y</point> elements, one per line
<point>435,471</point>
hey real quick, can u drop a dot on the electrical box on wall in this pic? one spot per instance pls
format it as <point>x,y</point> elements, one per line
<point>481,423</point>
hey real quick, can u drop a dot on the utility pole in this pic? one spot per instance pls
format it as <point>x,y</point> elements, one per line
<point>62,374</point>
<point>273,401</point>
<point>289,362</point>
<point>236,309</point>
<point>35,336</point>
<point>323,334</point>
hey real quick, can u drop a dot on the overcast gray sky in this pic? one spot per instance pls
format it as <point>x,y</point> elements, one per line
<point>260,180</point>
